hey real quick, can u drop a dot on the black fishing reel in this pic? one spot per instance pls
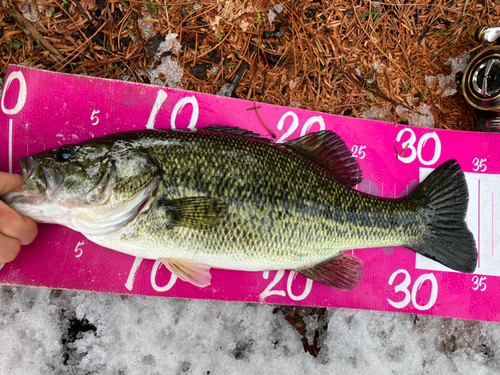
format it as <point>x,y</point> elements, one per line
<point>480,84</point>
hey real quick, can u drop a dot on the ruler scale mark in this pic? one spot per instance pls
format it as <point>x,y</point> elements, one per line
<point>10,145</point>
<point>478,223</point>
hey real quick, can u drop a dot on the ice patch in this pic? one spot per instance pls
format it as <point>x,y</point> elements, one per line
<point>171,71</point>
<point>271,16</point>
<point>375,113</point>
<point>446,85</point>
<point>379,66</point>
<point>169,44</point>
<point>293,83</point>
<point>29,11</point>
<point>225,90</point>
<point>424,120</point>
<point>168,72</point>
<point>146,27</point>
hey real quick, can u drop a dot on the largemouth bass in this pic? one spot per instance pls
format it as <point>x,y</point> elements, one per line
<point>223,197</point>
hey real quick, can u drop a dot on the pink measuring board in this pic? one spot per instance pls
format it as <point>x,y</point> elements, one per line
<point>41,110</point>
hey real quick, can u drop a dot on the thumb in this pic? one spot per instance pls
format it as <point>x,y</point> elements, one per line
<point>10,182</point>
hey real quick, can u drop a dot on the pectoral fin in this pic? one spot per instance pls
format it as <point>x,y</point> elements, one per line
<point>193,212</point>
<point>343,272</point>
<point>195,273</point>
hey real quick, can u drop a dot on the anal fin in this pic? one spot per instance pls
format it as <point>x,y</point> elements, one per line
<point>192,272</point>
<point>343,272</point>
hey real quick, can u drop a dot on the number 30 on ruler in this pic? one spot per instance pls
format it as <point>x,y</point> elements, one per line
<point>403,287</point>
<point>411,153</point>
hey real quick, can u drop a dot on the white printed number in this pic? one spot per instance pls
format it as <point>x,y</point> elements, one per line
<point>478,283</point>
<point>403,287</point>
<point>21,96</point>
<point>135,266</point>
<point>178,107</point>
<point>295,124</point>
<point>160,99</point>
<point>78,249</point>
<point>279,275</point>
<point>94,118</point>
<point>357,151</point>
<point>411,153</point>
<point>155,286</point>
<point>479,165</point>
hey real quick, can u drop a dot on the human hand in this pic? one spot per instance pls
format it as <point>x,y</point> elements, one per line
<point>15,229</point>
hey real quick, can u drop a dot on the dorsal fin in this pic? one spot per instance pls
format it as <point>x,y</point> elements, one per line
<point>232,130</point>
<point>329,151</point>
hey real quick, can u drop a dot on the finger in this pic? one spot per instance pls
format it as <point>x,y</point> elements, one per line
<point>9,248</point>
<point>15,225</point>
<point>10,182</point>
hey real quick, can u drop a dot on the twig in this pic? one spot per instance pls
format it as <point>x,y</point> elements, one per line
<point>396,151</point>
<point>404,150</point>
<point>281,18</point>
<point>32,31</point>
<point>261,119</point>
<point>79,48</point>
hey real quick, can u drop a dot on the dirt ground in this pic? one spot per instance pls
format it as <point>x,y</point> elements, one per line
<point>354,58</point>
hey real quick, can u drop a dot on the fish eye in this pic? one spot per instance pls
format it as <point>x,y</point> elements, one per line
<point>65,154</point>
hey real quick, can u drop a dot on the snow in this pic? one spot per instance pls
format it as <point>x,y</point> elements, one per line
<point>293,83</point>
<point>379,67</point>
<point>46,331</point>
<point>377,113</point>
<point>169,44</point>
<point>225,90</point>
<point>146,26</point>
<point>447,85</point>
<point>171,71</point>
<point>30,12</point>
<point>421,117</point>
<point>271,16</point>
<point>168,69</point>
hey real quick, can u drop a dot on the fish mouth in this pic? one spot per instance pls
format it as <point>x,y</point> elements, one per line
<point>28,164</point>
<point>37,178</point>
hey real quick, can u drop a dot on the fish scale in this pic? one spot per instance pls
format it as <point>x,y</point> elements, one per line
<point>314,222</point>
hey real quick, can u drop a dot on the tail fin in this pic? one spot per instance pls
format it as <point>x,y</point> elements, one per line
<point>443,195</point>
